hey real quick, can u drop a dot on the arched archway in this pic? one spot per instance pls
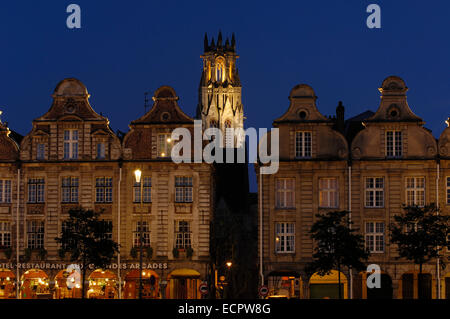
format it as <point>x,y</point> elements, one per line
<point>35,285</point>
<point>67,284</point>
<point>327,286</point>
<point>446,285</point>
<point>7,284</point>
<point>150,284</point>
<point>102,285</point>
<point>183,284</point>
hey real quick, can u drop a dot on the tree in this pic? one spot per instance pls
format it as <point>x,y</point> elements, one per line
<point>84,237</point>
<point>337,245</point>
<point>420,234</point>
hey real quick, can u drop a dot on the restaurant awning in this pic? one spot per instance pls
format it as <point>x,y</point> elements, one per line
<point>184,272</point>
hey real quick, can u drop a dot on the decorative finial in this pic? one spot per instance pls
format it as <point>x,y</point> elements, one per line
<point>1,112</point>
<point>205,42</point>
<point>233,41</point>
<point>219,39</point>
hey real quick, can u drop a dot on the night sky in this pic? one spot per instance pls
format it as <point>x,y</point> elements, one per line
<point>126,48</point>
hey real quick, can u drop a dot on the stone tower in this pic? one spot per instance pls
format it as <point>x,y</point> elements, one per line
<point>220,103</point>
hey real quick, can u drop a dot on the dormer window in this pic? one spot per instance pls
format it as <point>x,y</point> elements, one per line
<point>394,143</point>
<point>302,144</point>
<point>40,151</point>
<point>164,145</point>
<point>71,144</point>
<point>101,153</point>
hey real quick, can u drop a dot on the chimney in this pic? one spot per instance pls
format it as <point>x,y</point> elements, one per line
<point>340,121</point>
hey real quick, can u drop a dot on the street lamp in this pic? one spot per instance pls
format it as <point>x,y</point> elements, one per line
<point>137,175</point>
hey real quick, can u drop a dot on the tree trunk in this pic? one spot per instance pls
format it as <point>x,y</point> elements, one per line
<point>83,271</point>
<point>419,283</point>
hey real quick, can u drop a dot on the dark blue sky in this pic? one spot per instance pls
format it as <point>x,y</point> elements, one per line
<point>125,48</point>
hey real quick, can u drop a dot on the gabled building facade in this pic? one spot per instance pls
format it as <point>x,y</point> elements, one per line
<point>389,161</point>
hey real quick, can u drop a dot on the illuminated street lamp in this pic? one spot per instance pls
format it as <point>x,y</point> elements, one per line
<point>137,175</point>
<point>229,264</point>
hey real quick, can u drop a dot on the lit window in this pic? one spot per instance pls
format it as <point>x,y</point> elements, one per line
<point>285,193</point>
<point>394,144</point>
<point>35,234</point>
<point>164,145</point>
<point>70,144</point>
<point>145,234</point>
<point>182,234</point>
<point>285,237</point>
<point>5,234</point>
<point>374,192</point>
<point>5,191</point>
<point>375,237</point>
<point>328,192</point>
<point>415,191</point>
<point>183,189</point>
<point>302,144</point>
<point>146,189</point>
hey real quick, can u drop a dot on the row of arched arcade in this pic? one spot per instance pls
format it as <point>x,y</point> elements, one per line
<point>101,284</point>
<point>409,285</point>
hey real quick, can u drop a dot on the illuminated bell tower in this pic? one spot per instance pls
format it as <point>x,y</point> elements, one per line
<point>220,103</point>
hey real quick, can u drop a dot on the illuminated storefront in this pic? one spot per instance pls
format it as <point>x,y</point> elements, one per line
<point>102,285</point>
<point>183,284</point>
<point>35,285</point>
<point>7,284</point>
<point>284,285</point>
<point>150,285</point>
<point>67,285</point>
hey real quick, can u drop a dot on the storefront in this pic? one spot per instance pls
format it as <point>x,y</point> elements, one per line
<point>7,284</point>
<point>35,285</point>
<point>183,284</point>
<point>102,285</point>
<point>67,284</point>
<point>150,285</point>
<point>284,284</point>
<point>327,287</point>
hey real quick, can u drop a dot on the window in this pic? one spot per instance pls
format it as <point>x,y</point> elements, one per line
<point>415,191</point>
<point>70,144</point>
<point>106,229</point>
<point>394,144</point>
<point>70,190</point>
<point>182,234</point>
<point>229,134</point>
<point>103,190</point>
<point>40,151</point>
<point>36,188</point>
<point>183,189</point>
<point>145,234</point>
<point>375,237</point>
<point>164,145</point>
<point>64,229</point>
<point>5,191</point>
<point>5,234</point>
<point>328,192</point>
<point>101,151</point>
<point>374,192</point>
<point>285,193</point>
<point>35,234</point>
<point>302,144</point>
<point>146,189</point>
<point>285,237</point>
